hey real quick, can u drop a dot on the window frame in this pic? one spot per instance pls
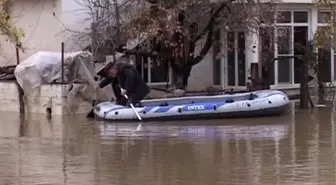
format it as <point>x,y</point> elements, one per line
<point>292,24</point>
<point>149,76</point>
<point>236,65</point>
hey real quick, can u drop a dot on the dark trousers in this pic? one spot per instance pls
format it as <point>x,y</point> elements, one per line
<point>133,98</point>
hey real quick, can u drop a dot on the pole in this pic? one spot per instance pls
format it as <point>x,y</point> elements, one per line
<point>62,61</point>
<point>117,21</point>
<point>94,44</point>
<point>20,90</point>
<point>116,9</point>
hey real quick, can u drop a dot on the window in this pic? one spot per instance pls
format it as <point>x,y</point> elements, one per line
<point>217,59</point>
<point>284,70</point>
<point>284,46</point>
<point>323,17</point>
<point>300,17</point>
<point>300,39</point>
<point>154,72</point>
<point>236,64</point>
<point>284,17</point>
<point>291,33</point>
<point>159,71</point>
<point>284,40</point>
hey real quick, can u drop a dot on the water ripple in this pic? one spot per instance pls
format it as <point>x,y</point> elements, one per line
<point>298,148</point>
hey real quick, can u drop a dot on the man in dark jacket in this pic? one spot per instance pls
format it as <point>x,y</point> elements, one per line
<point>125,80</point>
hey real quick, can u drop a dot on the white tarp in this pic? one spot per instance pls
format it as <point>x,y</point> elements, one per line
<point>45,68</point>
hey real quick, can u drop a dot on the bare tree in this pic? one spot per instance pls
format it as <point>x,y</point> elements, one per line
<point>175,33</point>
<point>324,40</point>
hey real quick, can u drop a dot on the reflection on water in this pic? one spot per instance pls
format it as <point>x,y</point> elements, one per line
<point>297,148</point>
<point>109,131</point>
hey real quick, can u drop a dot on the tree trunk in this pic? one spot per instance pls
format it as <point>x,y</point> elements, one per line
<point>255,82</point>
<point>304,88</point>
<point>266,73</point>
<point>321,92</point>
<point>181,75</point>
<point>320,86</point>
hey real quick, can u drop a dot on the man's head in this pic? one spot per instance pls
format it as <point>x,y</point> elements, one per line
<point>111,70</point>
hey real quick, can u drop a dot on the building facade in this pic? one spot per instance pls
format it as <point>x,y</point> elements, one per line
<point>47,24</point>
<point>301,20</point>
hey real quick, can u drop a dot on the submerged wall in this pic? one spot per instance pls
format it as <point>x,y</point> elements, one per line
<point>49,96</point>
<point>53,96</point>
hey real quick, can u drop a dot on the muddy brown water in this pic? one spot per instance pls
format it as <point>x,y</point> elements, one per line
<point>294,149</point>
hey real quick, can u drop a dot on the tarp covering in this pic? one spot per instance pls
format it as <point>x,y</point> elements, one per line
<point>45,68</point>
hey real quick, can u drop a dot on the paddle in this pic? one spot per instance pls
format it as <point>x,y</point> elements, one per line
<point>136,113</point>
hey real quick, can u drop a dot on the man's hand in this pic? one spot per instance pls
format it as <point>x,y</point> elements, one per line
<point>123,92</point>
<point>96,86</point>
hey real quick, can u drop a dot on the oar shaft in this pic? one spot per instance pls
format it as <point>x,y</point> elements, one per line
<point>133,108</point>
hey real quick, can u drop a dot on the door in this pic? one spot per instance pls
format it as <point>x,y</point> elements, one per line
<point>235,60</point>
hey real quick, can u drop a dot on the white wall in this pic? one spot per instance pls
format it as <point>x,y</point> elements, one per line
<point>77,18</point>
<point>201,74</point>
<point>31,15</point>
<point>43,22</point>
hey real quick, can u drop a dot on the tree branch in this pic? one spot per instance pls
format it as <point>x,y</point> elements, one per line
<point>212,21</point>
<point>205,49</point>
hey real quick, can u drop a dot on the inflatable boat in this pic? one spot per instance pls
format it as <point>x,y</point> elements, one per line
<point>257,103</point>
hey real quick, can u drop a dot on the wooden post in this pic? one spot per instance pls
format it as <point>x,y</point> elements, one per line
<point>304,88</point>
<point>116,7</point>
<point>22,125</point>
<point>20,90</point>
<point>94,41</point>
<point>62,61</point>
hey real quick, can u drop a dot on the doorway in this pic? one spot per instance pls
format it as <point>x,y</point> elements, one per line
<point>235,61</point>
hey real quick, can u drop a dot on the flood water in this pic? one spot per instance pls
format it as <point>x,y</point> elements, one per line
<point>294,149</point>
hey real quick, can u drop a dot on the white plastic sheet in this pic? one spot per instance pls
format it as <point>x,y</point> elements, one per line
<point>45,68</point>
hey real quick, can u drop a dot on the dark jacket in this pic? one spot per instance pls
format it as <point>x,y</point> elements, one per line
<point>127,78</point>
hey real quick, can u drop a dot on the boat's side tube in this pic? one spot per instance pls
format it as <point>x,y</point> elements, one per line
<point>105,113</point>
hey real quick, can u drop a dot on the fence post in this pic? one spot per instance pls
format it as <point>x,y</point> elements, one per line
<point>62,61</point>
<point>20,90</point>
